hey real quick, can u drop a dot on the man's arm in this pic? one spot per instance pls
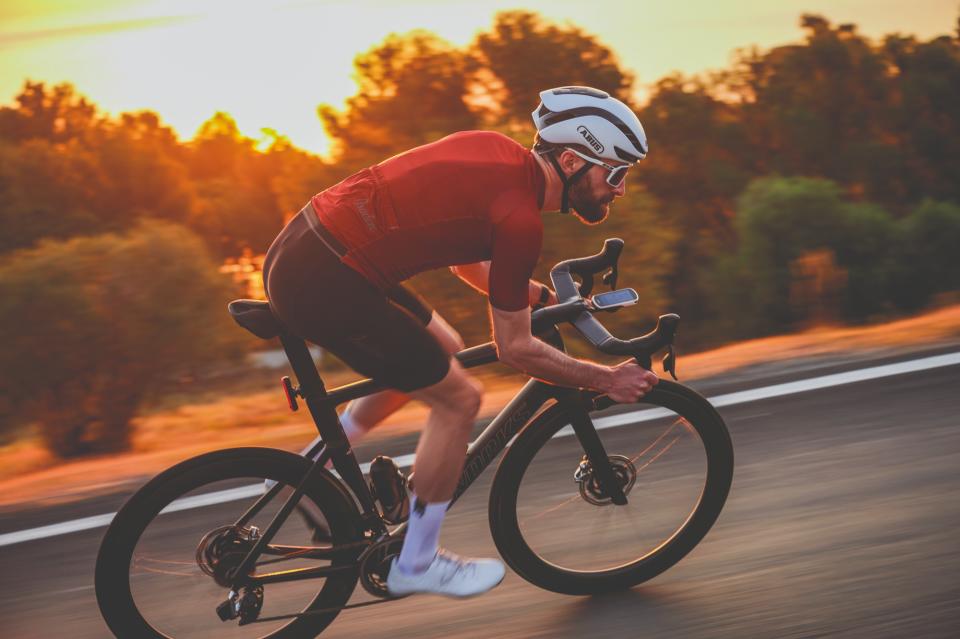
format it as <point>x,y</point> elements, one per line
<point>519,349</point>
<point>478,276</point>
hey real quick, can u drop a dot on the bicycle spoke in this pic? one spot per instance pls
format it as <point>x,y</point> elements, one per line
<point>552,509</point>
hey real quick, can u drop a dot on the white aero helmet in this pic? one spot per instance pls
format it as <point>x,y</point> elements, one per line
<point>591,119</point>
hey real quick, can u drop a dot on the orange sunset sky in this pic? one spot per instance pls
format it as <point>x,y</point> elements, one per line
<point>269,63</point>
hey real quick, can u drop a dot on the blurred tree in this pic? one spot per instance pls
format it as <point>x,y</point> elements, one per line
<point>47,190</point>
<point>411,90</point>
<point>65,171</point>
<point>99,322</point>
<point>142,171</point>
<point>296,176</point>
<point>818,108</point>
<point>925,114</point>
<point>926,255</point>
<point>218,148</point>
<point>700,160</point>
<point>56,114</point>
<point>779,220</point>
<point>523,54</point>
<point>237,206</point>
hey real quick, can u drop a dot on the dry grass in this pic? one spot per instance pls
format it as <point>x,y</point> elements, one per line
<point>29,474</point>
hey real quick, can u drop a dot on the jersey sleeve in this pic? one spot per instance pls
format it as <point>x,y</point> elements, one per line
<point>517,239</point>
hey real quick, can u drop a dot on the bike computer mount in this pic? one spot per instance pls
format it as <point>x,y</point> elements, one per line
<point>613,300</point>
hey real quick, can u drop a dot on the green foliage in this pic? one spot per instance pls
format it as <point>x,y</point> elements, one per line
<point>782,220</point>
<point>880,120</point>
<point>700,161</point>
<point>926,256</point>
<point>97,323</point>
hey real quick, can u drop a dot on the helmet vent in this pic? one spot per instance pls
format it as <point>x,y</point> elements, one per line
<point>593,93</point>
<point>614,120</point>
<point>626,156</point>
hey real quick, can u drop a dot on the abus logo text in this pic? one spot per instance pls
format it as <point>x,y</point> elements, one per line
<point>591,140</point>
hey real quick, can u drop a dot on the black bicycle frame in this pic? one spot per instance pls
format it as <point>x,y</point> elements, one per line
<point>334,446</point>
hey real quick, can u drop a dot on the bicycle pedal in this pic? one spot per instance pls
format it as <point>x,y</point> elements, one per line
<point>228,609</point>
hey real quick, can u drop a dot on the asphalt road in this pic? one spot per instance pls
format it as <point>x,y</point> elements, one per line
<point>842,521</point>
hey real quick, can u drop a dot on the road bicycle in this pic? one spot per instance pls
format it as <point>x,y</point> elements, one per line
<point>590,496</point>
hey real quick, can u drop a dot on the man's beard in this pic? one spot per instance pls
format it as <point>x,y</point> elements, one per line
<point>585,206</point>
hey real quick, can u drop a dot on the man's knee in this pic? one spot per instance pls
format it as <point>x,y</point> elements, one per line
<point>471,396</point>
<point>464,398</point>
<point>457,393</point>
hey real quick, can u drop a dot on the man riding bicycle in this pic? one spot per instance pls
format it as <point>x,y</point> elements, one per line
<point>472,202</point>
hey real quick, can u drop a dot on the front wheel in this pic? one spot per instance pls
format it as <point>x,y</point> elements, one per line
<point>166,561</point>
<point>556,528</point>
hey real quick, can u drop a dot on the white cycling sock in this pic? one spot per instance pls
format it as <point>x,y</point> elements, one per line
<point>421,543</point>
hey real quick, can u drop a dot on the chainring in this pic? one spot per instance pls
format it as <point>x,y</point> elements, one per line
<point>375,564</point>
<point>222,550</point>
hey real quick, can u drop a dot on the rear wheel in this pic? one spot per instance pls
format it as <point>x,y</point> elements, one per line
<point>165,562</point>
<point>554,525</point>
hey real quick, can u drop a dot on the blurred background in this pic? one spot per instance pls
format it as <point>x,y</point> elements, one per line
<point>804,171</point>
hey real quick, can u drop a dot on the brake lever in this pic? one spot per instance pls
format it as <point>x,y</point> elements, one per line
<point>586,285</point>
<point>610,277</point>
<point>670,362</point>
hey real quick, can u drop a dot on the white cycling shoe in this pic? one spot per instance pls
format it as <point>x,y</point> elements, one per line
<point>448,575</point>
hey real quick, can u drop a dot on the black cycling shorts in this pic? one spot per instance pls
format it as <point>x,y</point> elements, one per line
<point>381,335</point>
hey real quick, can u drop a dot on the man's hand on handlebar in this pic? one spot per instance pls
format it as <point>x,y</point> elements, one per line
<point>628,382</point>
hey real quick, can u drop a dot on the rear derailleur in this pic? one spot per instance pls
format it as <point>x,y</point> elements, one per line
<point>245,605</point>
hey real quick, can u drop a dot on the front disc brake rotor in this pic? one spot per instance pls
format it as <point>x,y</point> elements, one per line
<point>623,470</point>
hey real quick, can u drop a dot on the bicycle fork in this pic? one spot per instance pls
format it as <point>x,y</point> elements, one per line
<point>593,447</point>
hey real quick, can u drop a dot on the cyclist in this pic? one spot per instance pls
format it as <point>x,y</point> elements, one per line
<point>471,201</point>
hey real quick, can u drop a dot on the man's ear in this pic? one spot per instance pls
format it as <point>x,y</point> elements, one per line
<point>570,162</point>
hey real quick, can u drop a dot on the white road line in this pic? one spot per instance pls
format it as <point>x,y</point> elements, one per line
<point>728,399</point>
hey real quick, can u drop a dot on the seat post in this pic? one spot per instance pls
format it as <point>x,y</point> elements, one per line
<point>327,421</point>
<point>302,364</point>
<point>311,385</point>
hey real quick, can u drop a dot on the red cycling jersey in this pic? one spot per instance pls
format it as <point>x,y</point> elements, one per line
<point>469,197</point>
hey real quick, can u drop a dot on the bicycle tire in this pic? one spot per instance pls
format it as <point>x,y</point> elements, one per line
<point>529,564</point>
<point>112,576</point>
